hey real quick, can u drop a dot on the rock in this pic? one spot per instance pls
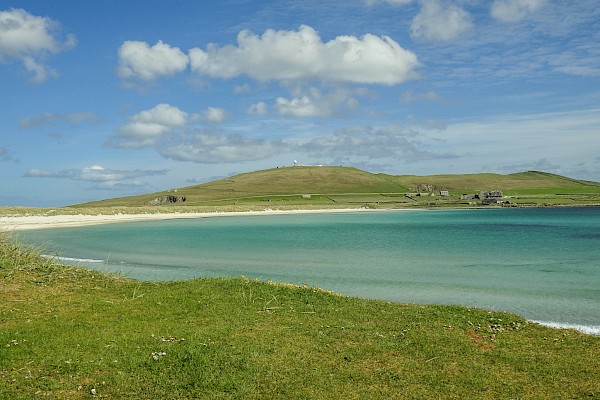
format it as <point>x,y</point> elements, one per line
<point>159,201</point>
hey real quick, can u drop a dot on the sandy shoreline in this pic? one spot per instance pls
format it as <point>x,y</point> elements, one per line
<point>22,223</point>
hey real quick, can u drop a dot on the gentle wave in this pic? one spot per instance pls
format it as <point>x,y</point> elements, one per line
<point>588,329</point>
<point>72,259</point>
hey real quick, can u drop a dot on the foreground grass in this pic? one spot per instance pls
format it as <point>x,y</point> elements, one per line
<point>71,333</point>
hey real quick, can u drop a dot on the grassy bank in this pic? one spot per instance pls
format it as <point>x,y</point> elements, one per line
<point>71,333</point>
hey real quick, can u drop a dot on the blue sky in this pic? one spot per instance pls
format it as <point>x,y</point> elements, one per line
<point>102,99</point>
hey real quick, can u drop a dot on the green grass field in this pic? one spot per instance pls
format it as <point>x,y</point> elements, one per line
<point>69,333</point>
<point>341,186</point>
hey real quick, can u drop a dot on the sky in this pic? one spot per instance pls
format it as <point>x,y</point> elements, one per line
<point>112,98</point>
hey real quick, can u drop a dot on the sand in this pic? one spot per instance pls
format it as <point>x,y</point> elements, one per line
<point>66,221</point>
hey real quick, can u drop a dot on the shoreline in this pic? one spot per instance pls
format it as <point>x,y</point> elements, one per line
<point>10,223</point>
<point>41,222</point>
<point>23,223</point>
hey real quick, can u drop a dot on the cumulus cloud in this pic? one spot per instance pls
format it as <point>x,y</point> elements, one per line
<point>169,130</point>
<point>146,127</point>
<point>139,60</point>
<point>315,104</point>
<point>215,115</point>
<point>302,55</point>
<point>435,22</point>
<point>210,148</point>
<point>514,10</point>
<point>30,40</point>
<point>106,179</point>
<point>48,119</point>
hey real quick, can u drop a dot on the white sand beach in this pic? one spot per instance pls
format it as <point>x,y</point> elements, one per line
<point>18,223</point>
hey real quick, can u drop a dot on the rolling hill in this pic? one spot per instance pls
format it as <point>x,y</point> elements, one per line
<point>347,185</point>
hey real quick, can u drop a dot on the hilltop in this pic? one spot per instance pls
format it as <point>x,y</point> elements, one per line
<point>334,186</point>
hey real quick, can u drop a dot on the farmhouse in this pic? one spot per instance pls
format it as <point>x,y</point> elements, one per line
<point>491,197</point>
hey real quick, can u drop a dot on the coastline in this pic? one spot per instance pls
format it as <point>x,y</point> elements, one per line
<point>22,223</point>
<point>41,222</point>
<point>10,223</point>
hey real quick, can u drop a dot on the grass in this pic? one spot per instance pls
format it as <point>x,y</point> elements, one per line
<point>330,186</point>
<point>72,333</point>
<point>340,187</point>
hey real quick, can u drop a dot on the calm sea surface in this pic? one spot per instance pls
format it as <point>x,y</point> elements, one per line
<point>541,263</point>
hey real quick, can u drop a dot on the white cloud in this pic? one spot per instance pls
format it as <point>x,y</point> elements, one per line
<point>514,10</point>
<point>299,107</point>
<point>314,103</point>
<point>210,148</point>
<point>141,61</point>
<point>169,131</point>
<point>259,108</point>
<point>146,127</point>
<point>105,179</point>
<point>40,72</point>
<point>30,39</point>
<point>215,115</point>
<point>438,23</point>
<point>39,173</point>
<point>301,55</point>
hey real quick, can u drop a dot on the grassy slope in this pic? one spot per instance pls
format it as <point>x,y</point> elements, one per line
<point>533,181</point>
<point>65,332</point>
<point>279,181</point>
<point>346,180</point>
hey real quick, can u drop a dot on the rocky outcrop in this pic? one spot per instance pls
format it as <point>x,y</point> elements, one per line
<point>159,201</point>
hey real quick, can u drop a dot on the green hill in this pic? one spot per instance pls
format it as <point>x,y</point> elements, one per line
<point>319,186</point>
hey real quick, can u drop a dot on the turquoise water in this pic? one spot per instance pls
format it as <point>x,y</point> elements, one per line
<point>543,264</point>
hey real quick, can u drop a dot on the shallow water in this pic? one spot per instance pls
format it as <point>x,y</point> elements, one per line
<point>541,263</point>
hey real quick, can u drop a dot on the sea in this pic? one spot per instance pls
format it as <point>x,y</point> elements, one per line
<point>541,263</point>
